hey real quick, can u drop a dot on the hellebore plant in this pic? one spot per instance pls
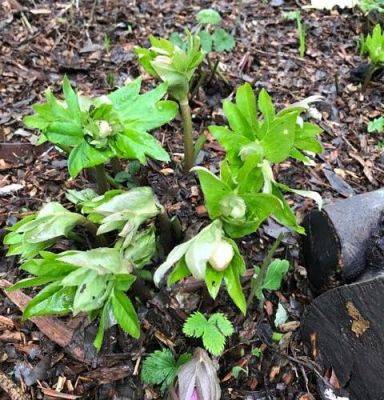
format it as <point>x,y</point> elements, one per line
<point>246,192</point>
<point>175,66</point>
<point>209,256</point>
<point>92,281</point>
<point>94,131</point>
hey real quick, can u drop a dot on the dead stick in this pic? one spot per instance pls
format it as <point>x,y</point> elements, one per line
<point>12,390</point>
<point>53,328</point>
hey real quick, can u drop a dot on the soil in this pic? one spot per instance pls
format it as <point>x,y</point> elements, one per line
<point>92,42</point>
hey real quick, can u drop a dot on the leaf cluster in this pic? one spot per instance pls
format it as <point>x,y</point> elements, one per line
<point>172,63</point>
<point>92,281</point>
<point>92,131</point>
<point>212,331</point>
<point>245,193</point>
<point>373,45</point>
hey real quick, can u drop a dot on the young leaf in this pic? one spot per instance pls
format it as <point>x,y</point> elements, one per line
<point>161,368</point>
<point>212,331</point>
<point>222,40</point>
<point>275,274</point>
<point>208,16</point>
<point>125,314</point>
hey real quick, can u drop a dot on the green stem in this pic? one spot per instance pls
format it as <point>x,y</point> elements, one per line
<point>101,179</point>
<point>200,81</point>
<point>187,134</point>
<point>258,281</point>
<point>166,236</point>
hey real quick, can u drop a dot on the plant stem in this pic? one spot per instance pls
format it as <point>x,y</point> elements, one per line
<point>166,236</point>
<point>258,281</point>
<point>92,229</point>
<point>101,179</point>
<point>116,165</point>
<point>187,134</point>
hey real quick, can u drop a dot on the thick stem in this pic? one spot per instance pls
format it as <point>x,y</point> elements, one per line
<point>101,179</point>
<point>187,134</point>
<point>99,240</point>
<point>167,239</point>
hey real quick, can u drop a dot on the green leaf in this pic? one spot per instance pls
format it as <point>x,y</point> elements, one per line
<point>178,273</point>
<point>376,125</point>
<point>103,324</point>
<point>213,281</point>
<point>161,368</point>
<point>102,260</point>
<point>195,325</point>
<point>275,274</point>
<point>222,40</point>
<point>208,16</point>
<point>29,282</point>
<point>206,41</point>
<point>214,190</point>
<point>136,145</point>
<point>64,133</point>
<point>232,279</point>
<point>91,293</point>
<point>86,156</point>
<point>280,137</point>
<point>212,331</point>
<point>266,106</point>
<point>72,100</point>
<point>237,120</point>
<point>125,314</point>
<point>58,302</point>
<point>246,103</point>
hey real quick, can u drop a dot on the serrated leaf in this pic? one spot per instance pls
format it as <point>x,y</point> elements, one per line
<point>222,40</point>
<point>213,340</point>
<point>208,16</point>
<point>222,323</point>
<point>195,325</point>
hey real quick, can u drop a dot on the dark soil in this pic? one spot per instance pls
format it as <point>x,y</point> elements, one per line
<point>40,41</point>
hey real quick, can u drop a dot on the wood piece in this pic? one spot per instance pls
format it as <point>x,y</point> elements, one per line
<point>334,247</point>
<point>51,327</point>
<point>344,328</point>
<point>12,390</point>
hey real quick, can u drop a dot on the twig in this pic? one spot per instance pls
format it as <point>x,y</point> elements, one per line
<point>12,390</point>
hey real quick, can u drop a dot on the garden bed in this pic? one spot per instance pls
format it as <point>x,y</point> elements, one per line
<point>40,44</point>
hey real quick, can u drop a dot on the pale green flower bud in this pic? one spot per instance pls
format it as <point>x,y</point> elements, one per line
<point>105,129</point>
<point>251,149</point>
<point>233,206</point>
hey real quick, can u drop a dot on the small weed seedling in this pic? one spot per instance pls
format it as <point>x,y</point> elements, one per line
<point>161,368</point>
<point>176,66</point>
<point>94,131</point>
<point>213,331</point>
<point>301,30</point>
<point>376,125</point>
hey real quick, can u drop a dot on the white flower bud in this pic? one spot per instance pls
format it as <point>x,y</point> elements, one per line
<point>105,128</point>
<point>221,256</point>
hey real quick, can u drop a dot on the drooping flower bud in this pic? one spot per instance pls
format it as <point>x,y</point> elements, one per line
<point>221,256</point>
<point>197,379</point>
<point>233,206</point>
